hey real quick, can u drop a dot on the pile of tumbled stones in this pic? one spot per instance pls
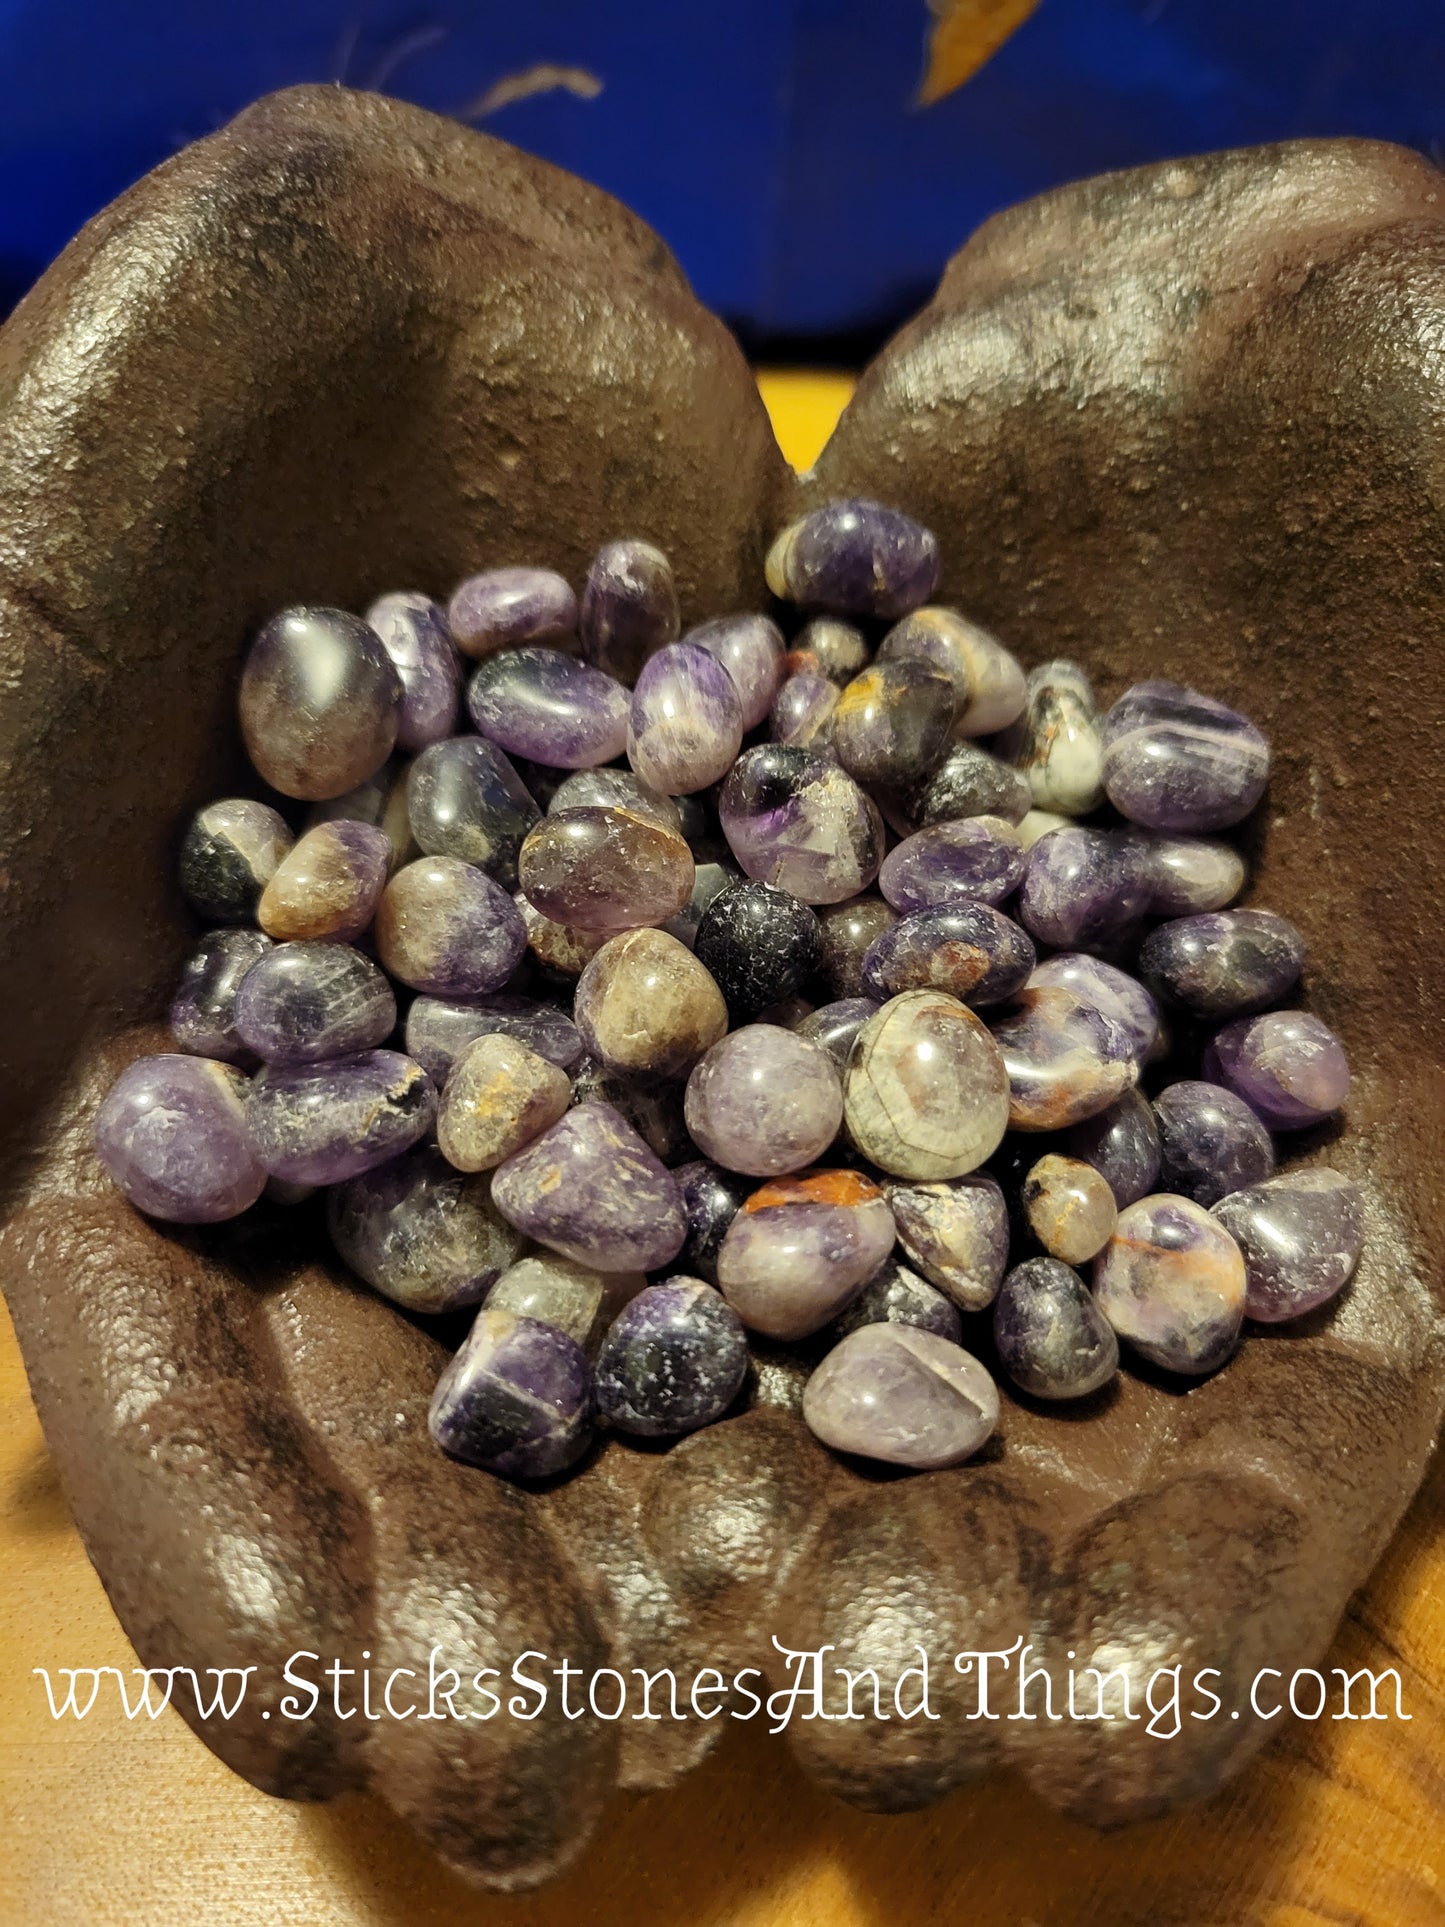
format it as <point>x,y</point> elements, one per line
<point>732,985</point>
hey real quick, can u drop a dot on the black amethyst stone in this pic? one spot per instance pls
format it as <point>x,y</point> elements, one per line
<point>761,946</point>
<point>894,1295</point>
<point>711,1199</point>
<point>674,1360</point>
<point>230,852</point>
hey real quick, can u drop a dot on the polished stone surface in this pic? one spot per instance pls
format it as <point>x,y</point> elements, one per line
<point>577,1300</point>
<point>466,801</point>
<point>711,1199</point>
<point>836,1026</point>
<point>645,1004</point>
<point>516,1399</point>
<point>1171,1283</point>
<point>1191,874</point>
<point>381,802</point>
<point>800,1248</point>
<point>795,819</point>
<point>956,1233</point>
<point>1122,1144</point>
<point>612,788</point>
<point>803,709</point>
<point>1069,1208</point>
<point>499,1096</point>
<point>1111,990</point>
<point>328,886</point>
<point>1066,1059</point>
<point>203,1010</point>
<point>894,1295</point>
<point>674,1360</point>
<point>971,781</point>
<point>510,608</point>
<point>855,559</point>
<point>848,931</point>
<point>421,1233</point>
<point>230,852</point>
<point>303,1002</point>
<point>591,1189</point>
<point>969,950</point>
<point>1084,888</point>
<point>1229,963</point>
<point>1050,1336</point>
<point>685,722</point>
<point>709,880</point>
<point>446,928</point>
<point>414,633</point>
<point>1211,1142</point>
<point>320,702</point>
<point>926,1092</point>
<point>904,1396</point>
<point>834,648</point>
<point>750,648</point>
<point>764,1101</point>
<point>760,944</point>
<point>439,1028</point>
<point>1177,760</point>
<point>651,1105</point>
<point>602,870</point>
<point>1288,1066</point>
<point>990,683</point>
<point>548,706</point>
<point>324,1123</point>
<point>629,607</point>
<point>1301,1234</point>
<point>172,1133</point>
<point>975,859</point>
<point>893,724</point>
<point>1056,743</point>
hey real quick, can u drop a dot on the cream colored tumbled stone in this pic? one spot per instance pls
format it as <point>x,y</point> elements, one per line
<point>560,1292</point>
<point>1070,1208</point>
<point>645,1005</point>
<point>926,1095</point>
<point>498,1096</point>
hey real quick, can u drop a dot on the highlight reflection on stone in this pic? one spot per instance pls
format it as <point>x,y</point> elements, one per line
<point>548,706</point>
<point>1211,1143</point>
<point>591,1189</point>
<point>1065,1058</point>
<point>1069,1207</point>
<point>1301,1235</point>
<point>324,1123</point>
<point>926,1093</point>
<point>645,1004</point>
<point>855,559</point>
<point>328,886</point>
<point>516,1399</point>
<point>171,1131</point>
<point>1226,964</point>
<point>421,1233</point>
<point>674,1360</point>
<point>764,1101</point>
<point>968,950</point>
<point>466,801</point>
<point>685,723</point>
<point>893,722</point>
<point>509,608</point>
<point>800,1248</point>
<point>303,1002</point>
<point>603,870</point>
<point>1288,1066</point>
<point>499,1096</point>
<point>414,633</point>
<point>957,1234</point>
<point>445,927</point>
<point>795,819</point>
<point>629,607</point>
<point>974,859</point>
<point>203,1011</point>
<point>1177,760</point>
<point>1051,1337</point>
<point>1171,1283</point>
<point>1122,1144</point>
<point>574,1298</point>
<point>904,1396</point>
<point>750,648</point>
<point>438,1029</point>
<point>320,702</point>
<point>989,681</point>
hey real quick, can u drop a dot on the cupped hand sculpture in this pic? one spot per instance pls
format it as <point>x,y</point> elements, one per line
<point>1188,422</point>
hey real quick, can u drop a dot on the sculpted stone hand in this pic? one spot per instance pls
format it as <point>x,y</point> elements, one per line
<point>1183,422</point>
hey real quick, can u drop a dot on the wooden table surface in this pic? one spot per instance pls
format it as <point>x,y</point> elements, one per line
<point>105,1823</point>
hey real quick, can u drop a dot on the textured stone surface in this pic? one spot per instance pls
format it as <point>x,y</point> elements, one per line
<point>1224,332</point>
<point>794,819</point>
<point>328,886</point>
<point>414,633</point>
<point>645,1004</point>
<point>560,1292</point>
<point>764,1101</point>
<point>1050,1336</point>
<point>969,950</point>
<point>229,853</point>
<point>1301,1235</point>
<point>989,681</point>
<point>516,1399</point>
<point>548,706</point>
<point>172,1133</point>
<point>605,869</point>
<point>685,725</point>
<point>926,1094</point>
<point>1171,1283</point>
<point>956,1233</point>
<point>323,1123</point>
<point>760,944</point>
<point>675,1359</point>
<point>445,927</point>
<point>894,1295</point>
<point>591,1189</point>
<point>305,1001</point>
<point>203,1010</point>
<point>1066,1059</point>
<point>1210,1142</point>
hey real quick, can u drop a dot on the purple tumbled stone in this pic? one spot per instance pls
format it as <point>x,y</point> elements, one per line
<point>1177,760</point>
<point>509,608</point>
<point>800,1248</point>
<point>439,1029</point>
<point>203,1011</point>
<point>802,713</point>
<point>629,607</point>
<point>516,1399</point>
<point>685,724</point>
<point>324,1123</point>
<point>1290,1069</point>
<point>303,1002</point>
<point>990,684</point>
<point>956,1233</point>
<point>795,819</point>
<point>1122,1144</point>
<point>1123,997</point>
<point>420,1233</point>
<point>1050,1336</point>
<point>969,950</point>
<point>764,1101</point>
<point>1301,1235</point>
<point>541,704</point>
<point>320,702</point>
<point>711,1199</point>
<point>414,633</point>
<point>1171,1283</point>
<point>603,870</point>
<point>446,928</point>
<point>975,859</point>
<point>171,1131</point>
<point>893,724</point>
<point>894,1295</point>
<point>328,887</point>
<point>610,788</point>
<point>1084,888</point>
<point>674,1360</point>
<point>466,801</point>
<point>904,1396</point>
<point>651,1105</point>
<point>591,1189</point>
<point>1066,1059</point>
<point>1226,964</point>
<point>835,1026</point>
<point>1189,875</point>
<point>750,648</point>
<point>379,803</point>
<point>855,558</point>
<point>1211,1142</point>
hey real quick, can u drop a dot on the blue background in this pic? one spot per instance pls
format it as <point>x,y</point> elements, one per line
<point>773,143</point>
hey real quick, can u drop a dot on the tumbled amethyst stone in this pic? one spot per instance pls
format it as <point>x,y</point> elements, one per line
<point>971,782</point>
<point>893,724</point>
<point>414,633</point>
<point>516,1399</point>
<point>651,1105</point>
<point>802,712</point>
<point>1084,887</point>
<point>421,1233</point>
<point>1190,875</point>
<point>685,724</point>
<point>795,819</point>
<point>591,1189</point>
<point>990,683</point>
<point>303,1002</point>
<point>1226,964</point>
<point>1066,1059</point>
<point>203,1011</point>
<point>957,1233</point>
<point>1177,760</point>
<point>849,931</point>
<point>750,648</point>
<point>508,608</point>
<point>764,1101</point>
<point>603,870</point>
<point>711,1199</point>
<point>800,1248</point>
<point>629,607</point>
<point>894,1295</point>
<point>1107,989</point>
<point>324,1123</point>
<point>1171,1283</point>
<point>329,885</point>
<point>1301,1235</point>
<point>976,859</point>
<point>611,788</point>
<point>439,1029</point>
<point>320,702</point>
<point>446,928</point>
<point>1056,742</point>
<point>856,559</point>
<point>230,852</point>
<point>1211,1143</point>
<point>1290,1069</point>
<point>1122,1144</point>
<point>171,1131</point>
<point>549,707</point>
<point>466,801</point>
<point>674,1360</point>
<point>835,1026</point>
<point>904,1396</point>
<point>1051,1337</point>
<point>970,950</point>
<point>835,649</point>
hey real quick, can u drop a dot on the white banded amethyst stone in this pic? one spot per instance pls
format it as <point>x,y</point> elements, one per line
<point>750,648</point>
<point>793,818</point>
<point>957,1234</point>
<point>516,1399</point>
<point>324,1123</point>
<point>549,707</point>
<point>685,723</point>
<point>1177,760</point>
<point>855,559</point>
<point>414,633</point>
<point>511,607</point>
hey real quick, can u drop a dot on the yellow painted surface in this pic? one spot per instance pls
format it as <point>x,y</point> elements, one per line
<point>104,1823</point>
<point>965,34</point>
<point>804,404</point>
